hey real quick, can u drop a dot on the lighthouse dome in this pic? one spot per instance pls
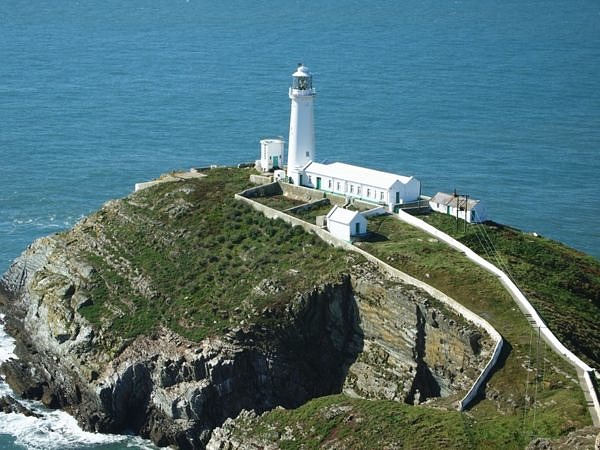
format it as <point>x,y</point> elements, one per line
<point>302,79</point>
<point>302,71</point>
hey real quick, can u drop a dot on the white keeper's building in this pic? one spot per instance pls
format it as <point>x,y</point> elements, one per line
<point>355,182</point>
<point>369,185</point>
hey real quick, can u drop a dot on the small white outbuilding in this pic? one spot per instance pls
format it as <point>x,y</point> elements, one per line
<point>345,224</point>
<point>461,206</point>
<point>271,154</point>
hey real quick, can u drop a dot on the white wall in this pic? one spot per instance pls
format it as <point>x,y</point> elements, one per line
<point>362,220</point>
<point>346,231</point>
<point>480,213</point>
<point>409,192</point>
<point>339,230</point>
<point>301,144</point>
<point>466,313</point>
<point>269,149</point>
<point>524,305</point>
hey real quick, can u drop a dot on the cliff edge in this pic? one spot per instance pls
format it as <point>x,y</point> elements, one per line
<point>170,311</point>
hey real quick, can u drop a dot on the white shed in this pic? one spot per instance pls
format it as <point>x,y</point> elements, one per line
<point>271,154</point>
<point>344,224</point>
<point>365,184</point>
<point>469,209</point>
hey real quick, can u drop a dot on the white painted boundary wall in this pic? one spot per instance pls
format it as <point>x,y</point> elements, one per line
<point>167,178</point>
<point>395,273</point>
<point>378,211</point>
<point>521,301</point>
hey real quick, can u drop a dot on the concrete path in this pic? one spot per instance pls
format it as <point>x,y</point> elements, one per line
<point>175,176</point>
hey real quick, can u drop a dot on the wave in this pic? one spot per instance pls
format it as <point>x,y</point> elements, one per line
<point>55,429</point>
<point>46,222</point>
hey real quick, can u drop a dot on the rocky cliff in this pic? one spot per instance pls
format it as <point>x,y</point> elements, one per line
<point>73,300</point>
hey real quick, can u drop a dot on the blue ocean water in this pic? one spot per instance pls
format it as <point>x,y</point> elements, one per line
<point>498,99</point>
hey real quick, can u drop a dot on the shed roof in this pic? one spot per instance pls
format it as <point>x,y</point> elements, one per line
<point>450,200</point>
<point>357,174</point>
<point>341,215</point>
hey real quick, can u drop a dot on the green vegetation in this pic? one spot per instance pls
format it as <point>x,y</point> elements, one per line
<point>342,422</point>
<point>530,375</point>
<point>279,202</point>
<point>188,256</point>
<point>310,215</point>
<point>563,284</point>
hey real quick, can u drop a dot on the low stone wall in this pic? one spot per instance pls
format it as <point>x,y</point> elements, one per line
<point>301,193</point>
<point>261,179</point>
<point>307,206</point>
<point>264,190</point>
<point>399,275</point>
<point>169,178</point>
<point>524,305</point>
<point>378,211</point>
<point>364,206</point>
<point>309,194</point>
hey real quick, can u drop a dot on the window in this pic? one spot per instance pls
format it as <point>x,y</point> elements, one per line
<point>307,154</point>
<point>338,185</point>
<point>368,193</point>
<point>351,188</point>
<point>358,190</point>
<point>329,183</point>
<point>381,195</point>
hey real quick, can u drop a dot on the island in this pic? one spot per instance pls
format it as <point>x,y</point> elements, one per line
<point>182,314</point>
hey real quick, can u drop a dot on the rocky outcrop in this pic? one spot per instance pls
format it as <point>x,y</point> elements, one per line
<point>163,386</point>
<point>358,332</point>
<point>9,405</point>
<point>414,348</point>
<point>584,438</point>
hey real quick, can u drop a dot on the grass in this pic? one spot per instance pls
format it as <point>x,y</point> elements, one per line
<point>280,202</point>
<point>528,375</point>
<point>341,422</point>
<point>562,283</point>
<point>187,256</point>
<point>310,215</point>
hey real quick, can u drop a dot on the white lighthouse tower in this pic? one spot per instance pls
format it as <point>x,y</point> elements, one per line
<point>301,144</point>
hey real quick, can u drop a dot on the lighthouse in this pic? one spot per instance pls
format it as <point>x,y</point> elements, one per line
<point>301,144</point>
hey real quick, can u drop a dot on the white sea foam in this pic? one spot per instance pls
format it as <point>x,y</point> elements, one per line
<point>55,429</point>
<point>7,343</point>
<point>7,347</point>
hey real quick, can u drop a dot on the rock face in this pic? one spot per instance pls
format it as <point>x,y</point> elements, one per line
<point>414,349</point>
<point>361,333</point>
<point>162,386</point>
<point>584,438</point>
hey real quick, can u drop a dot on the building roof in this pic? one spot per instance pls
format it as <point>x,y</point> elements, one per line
<point>450,200</point>
<point>341,215</point>
<point>362,175</point>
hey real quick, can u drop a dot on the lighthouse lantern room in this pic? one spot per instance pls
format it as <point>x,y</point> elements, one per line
<point>301,144</point>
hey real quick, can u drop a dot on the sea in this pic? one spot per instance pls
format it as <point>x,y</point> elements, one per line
<point>499,100</point>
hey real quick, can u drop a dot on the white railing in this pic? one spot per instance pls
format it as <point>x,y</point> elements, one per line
<point>524,305</point>
<point>398,274</point>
